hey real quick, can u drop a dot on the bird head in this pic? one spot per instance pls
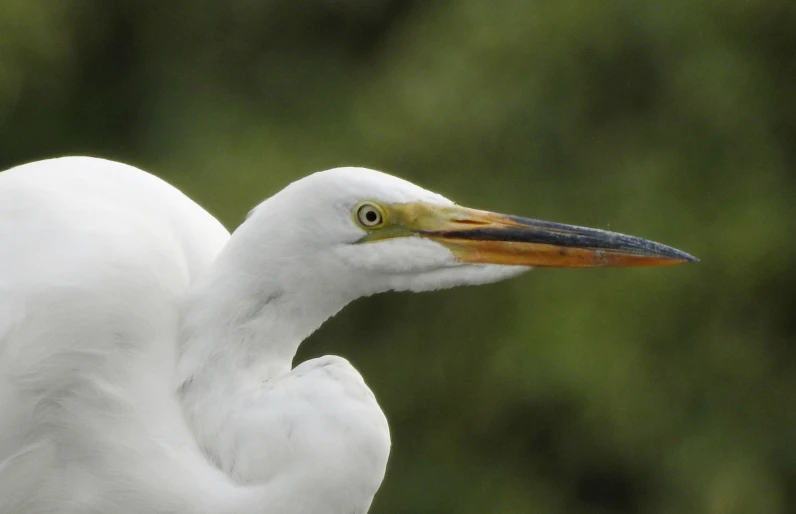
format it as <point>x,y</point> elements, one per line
<point>369,228</point>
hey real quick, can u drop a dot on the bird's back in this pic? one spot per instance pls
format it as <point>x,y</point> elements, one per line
<point>94,259</point>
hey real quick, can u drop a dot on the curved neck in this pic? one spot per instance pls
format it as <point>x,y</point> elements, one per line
<point>241,324</point>
<point>245,317</point>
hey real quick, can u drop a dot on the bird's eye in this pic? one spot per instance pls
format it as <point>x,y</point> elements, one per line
<point>369,216</point>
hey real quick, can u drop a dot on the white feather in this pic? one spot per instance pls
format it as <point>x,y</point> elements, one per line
<point>145,356</point>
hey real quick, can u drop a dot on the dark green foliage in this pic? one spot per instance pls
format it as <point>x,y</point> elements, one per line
<point>662,391</point>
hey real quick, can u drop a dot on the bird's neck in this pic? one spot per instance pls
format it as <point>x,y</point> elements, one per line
<point>245,318</point>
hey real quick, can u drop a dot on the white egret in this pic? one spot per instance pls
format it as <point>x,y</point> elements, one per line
<point>145,355</point>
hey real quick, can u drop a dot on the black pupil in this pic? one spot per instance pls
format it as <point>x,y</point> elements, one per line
<point>371,216</point>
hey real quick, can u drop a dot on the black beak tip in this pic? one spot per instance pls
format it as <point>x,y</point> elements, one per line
<point>685,257</point>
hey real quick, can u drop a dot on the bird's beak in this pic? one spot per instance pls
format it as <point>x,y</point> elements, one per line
<point>485,237</point>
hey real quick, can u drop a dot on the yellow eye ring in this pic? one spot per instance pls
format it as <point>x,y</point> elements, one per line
<point>369,215</point>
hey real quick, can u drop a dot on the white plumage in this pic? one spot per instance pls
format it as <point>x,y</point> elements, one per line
<point>137,375</point>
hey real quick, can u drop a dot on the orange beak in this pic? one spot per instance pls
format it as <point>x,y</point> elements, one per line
<point>485,237</point>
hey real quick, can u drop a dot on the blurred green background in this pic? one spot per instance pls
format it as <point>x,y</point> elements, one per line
<point>661,390</point>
